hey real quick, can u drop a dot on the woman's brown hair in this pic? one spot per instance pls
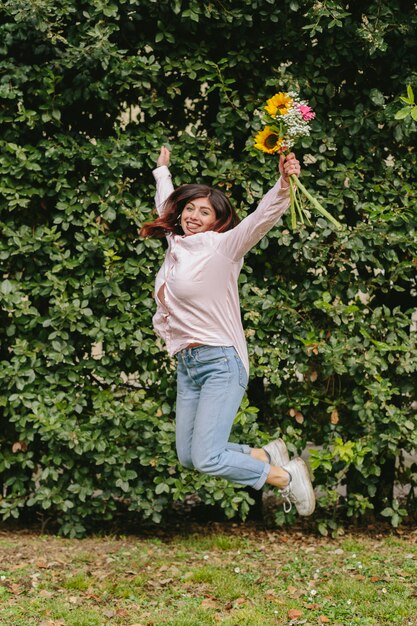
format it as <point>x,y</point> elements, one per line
<point>168,222</point>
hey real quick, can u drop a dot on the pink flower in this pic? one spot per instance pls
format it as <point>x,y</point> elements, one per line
<point>307,112</point>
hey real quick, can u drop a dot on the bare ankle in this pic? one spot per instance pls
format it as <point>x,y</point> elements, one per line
<point>260,455</point>
<point>278,477</point>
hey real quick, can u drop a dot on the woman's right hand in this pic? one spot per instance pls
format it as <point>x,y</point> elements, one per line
<point>164,157</point>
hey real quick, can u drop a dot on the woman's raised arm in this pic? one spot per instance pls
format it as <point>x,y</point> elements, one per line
<point>236,242</point>
<point>162,175</point>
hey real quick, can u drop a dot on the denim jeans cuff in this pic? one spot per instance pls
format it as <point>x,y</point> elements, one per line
<point>262,479</point>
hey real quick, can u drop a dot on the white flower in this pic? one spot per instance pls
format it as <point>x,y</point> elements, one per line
<point>237,570</point>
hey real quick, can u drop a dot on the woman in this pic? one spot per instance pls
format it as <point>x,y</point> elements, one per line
<point>198,316</point>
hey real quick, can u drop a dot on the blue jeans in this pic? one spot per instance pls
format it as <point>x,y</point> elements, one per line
<point>211,382</point>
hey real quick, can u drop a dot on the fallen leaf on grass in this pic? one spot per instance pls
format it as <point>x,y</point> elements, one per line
<point>293,591</point>
<point>312,607</point>
<point>209,603</point>
<point>402,574</point>
<point>323,619</point>
<point>93,596</point>
<point>16,590</point>
<point>44,593</point>
<point>73,599</point>
<point>294,613</point>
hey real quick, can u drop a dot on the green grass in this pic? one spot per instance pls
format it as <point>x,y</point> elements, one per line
<point>240,576</point>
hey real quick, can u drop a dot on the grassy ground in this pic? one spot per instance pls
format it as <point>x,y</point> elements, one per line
<point>225,574</point>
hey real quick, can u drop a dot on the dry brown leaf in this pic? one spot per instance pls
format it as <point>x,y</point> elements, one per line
<point>313,607</point>
<point>15,589</point>
<point>360,577</point>
<point>334,417</point>
<point>294,613</point>
<point>299,417</point>
<point>323,619</point>
<point>314,376</point>
<point>19,446</point>
<point>209,603</point>
<point>399,572</point>
<point>292,589</point>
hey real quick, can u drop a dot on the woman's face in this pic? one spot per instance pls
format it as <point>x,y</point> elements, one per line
<point>197,216</point>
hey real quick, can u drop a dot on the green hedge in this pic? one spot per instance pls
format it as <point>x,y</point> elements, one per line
<point>89,91</point>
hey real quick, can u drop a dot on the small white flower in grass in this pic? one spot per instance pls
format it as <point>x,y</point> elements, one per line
<point>349,602</point>
<point>383,590</point>
<point>313,592</point>
<point>237,570</point>
<point>2,577</point>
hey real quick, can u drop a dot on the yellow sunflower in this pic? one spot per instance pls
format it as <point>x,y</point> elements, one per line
<point>268,140</point>
<point>280,103</point>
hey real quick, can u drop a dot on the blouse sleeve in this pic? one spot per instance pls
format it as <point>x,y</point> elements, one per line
<point>235,243</point>
<point>164,186</point>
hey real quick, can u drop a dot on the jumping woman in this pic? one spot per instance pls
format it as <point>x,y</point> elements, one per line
<point>198,317</point>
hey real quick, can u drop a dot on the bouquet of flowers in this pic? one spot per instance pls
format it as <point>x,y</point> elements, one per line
<point>287,119</point>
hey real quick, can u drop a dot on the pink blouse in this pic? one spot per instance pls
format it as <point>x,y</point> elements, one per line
<point>200,273</point>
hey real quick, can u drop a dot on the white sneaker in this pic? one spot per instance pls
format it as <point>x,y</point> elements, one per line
<point>278,452</point>
<point>299,490</point>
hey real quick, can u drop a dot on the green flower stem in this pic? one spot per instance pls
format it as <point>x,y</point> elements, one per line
<point>303,215</point>
<point>314,202</point>
<point>292,205</point>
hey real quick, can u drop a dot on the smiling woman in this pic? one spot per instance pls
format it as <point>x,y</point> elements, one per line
<point>179,209</point>
<point>198,316</point>
<point>198,216</point>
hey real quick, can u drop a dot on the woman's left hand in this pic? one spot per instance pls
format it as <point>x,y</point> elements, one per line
<point>289,165</point>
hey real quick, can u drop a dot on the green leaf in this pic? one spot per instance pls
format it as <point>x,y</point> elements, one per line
<point>377,97</point>
<point>6,287</point>
<point>403,113</point>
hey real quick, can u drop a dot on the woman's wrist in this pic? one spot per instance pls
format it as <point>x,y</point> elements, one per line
<point>285,183</point>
